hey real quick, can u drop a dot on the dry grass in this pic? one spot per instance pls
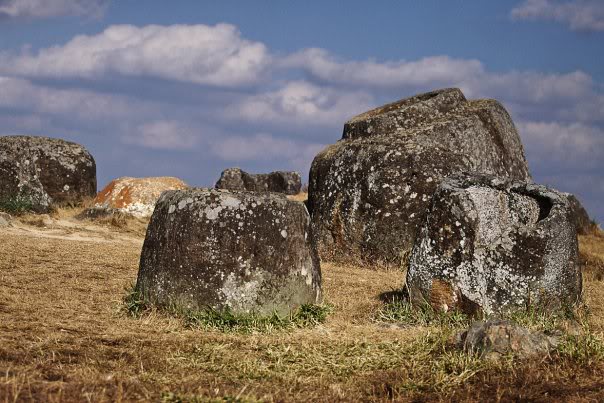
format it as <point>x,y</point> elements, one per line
<point>302,196</point>
<point>64,336</point>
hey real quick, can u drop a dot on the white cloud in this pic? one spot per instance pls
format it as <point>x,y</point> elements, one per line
<point>580,15</point>
<point>213,55</point>
<point>566,146</point>
<point>74,104</point>
<point>298,154</point>
<point>427,71</point>
<point>165,135</point>
<point>52,8</point>
<point>302,103</point>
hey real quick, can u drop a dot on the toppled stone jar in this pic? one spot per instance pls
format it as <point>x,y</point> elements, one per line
<point>287,182</point>
<point>245,252</point>
<point>369,192</point>
<point>493,246</point>
<point>45,171</point>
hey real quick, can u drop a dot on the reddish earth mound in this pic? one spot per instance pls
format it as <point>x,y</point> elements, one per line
<point>135,196</point>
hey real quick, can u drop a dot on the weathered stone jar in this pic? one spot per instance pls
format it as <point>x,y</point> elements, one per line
<point>287,182</point>
<point>245,252</point>
<point>492,246</point>
<point>45,171</point>
<point>369,192</point>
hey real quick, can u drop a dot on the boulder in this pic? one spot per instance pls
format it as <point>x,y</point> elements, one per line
<point>132,196</point>
<point>45,171</point>
<point>584,224</point>
<point>289,183</point>
<point>497,338</point>
<point>493,246</point>
<point>369,192</point>
<point>245,252</point>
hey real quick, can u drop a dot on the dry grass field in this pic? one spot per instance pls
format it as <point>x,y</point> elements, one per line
<point>65,336</point>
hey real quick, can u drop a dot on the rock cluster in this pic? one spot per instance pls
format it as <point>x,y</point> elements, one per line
<point>45,171</point>
<point>289,183</point>
<point>490,245</point>
<point>132,196</point>
<point>246,252</point>
<point>369,192</point>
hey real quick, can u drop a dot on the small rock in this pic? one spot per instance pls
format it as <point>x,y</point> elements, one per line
<point>285,182</point>
<point>239,251</point>
<point>496,338</point>
<point>492,246</point>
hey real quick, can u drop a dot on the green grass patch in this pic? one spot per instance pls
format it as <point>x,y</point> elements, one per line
<point>226,321</point>
<point>308,315</point>
<point>17,205</point>
<point>422,315</point>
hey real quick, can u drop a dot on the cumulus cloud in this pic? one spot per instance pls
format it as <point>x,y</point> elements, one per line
<point>73,104</point>
<point>426,71</point>
<point>164,135</point>
<point>202,54</point>
<point>264,147</point>
<point>36,9</point>
<point>580,15</point>
<point>242,116</point>
<point>302,103</point>
<point>564,145</point>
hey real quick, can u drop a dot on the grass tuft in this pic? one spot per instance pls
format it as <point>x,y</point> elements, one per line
<point>226,321</point>
<point>134,303</point>
<point>308,315</point>
<point>17,205</point>
<point>585,348</point>
<point>405,313</point>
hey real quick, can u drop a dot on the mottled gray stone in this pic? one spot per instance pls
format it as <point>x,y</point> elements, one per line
<point>45,171</point>
<point>584,224</point>
<point>278,182</point>
<point>492,246</point>
<point>369,192</point>
<point>241,251</point>
<point>496,338</point>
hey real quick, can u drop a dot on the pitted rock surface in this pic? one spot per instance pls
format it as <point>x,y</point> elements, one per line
<point>289,183</point>
<point>239,251</point>
<point>497,338</point>
<point>584,224</point>
<point>133,196</point>
<point>45,171</point>
<point>369,192</point>
<point>494,246</point>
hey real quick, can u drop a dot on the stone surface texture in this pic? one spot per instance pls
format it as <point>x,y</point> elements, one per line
<point>246,252</point>
<point>286,182</point>
<point>584,224</point>
<point>45,171</point>
<point>497,338</point>
<point>492,246</point>
<point>369,192</point>
<point>133,196</point>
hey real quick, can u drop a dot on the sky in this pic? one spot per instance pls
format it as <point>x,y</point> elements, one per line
<point>188,88</point>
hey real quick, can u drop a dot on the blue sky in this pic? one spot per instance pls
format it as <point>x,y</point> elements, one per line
<point>188,88</point>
